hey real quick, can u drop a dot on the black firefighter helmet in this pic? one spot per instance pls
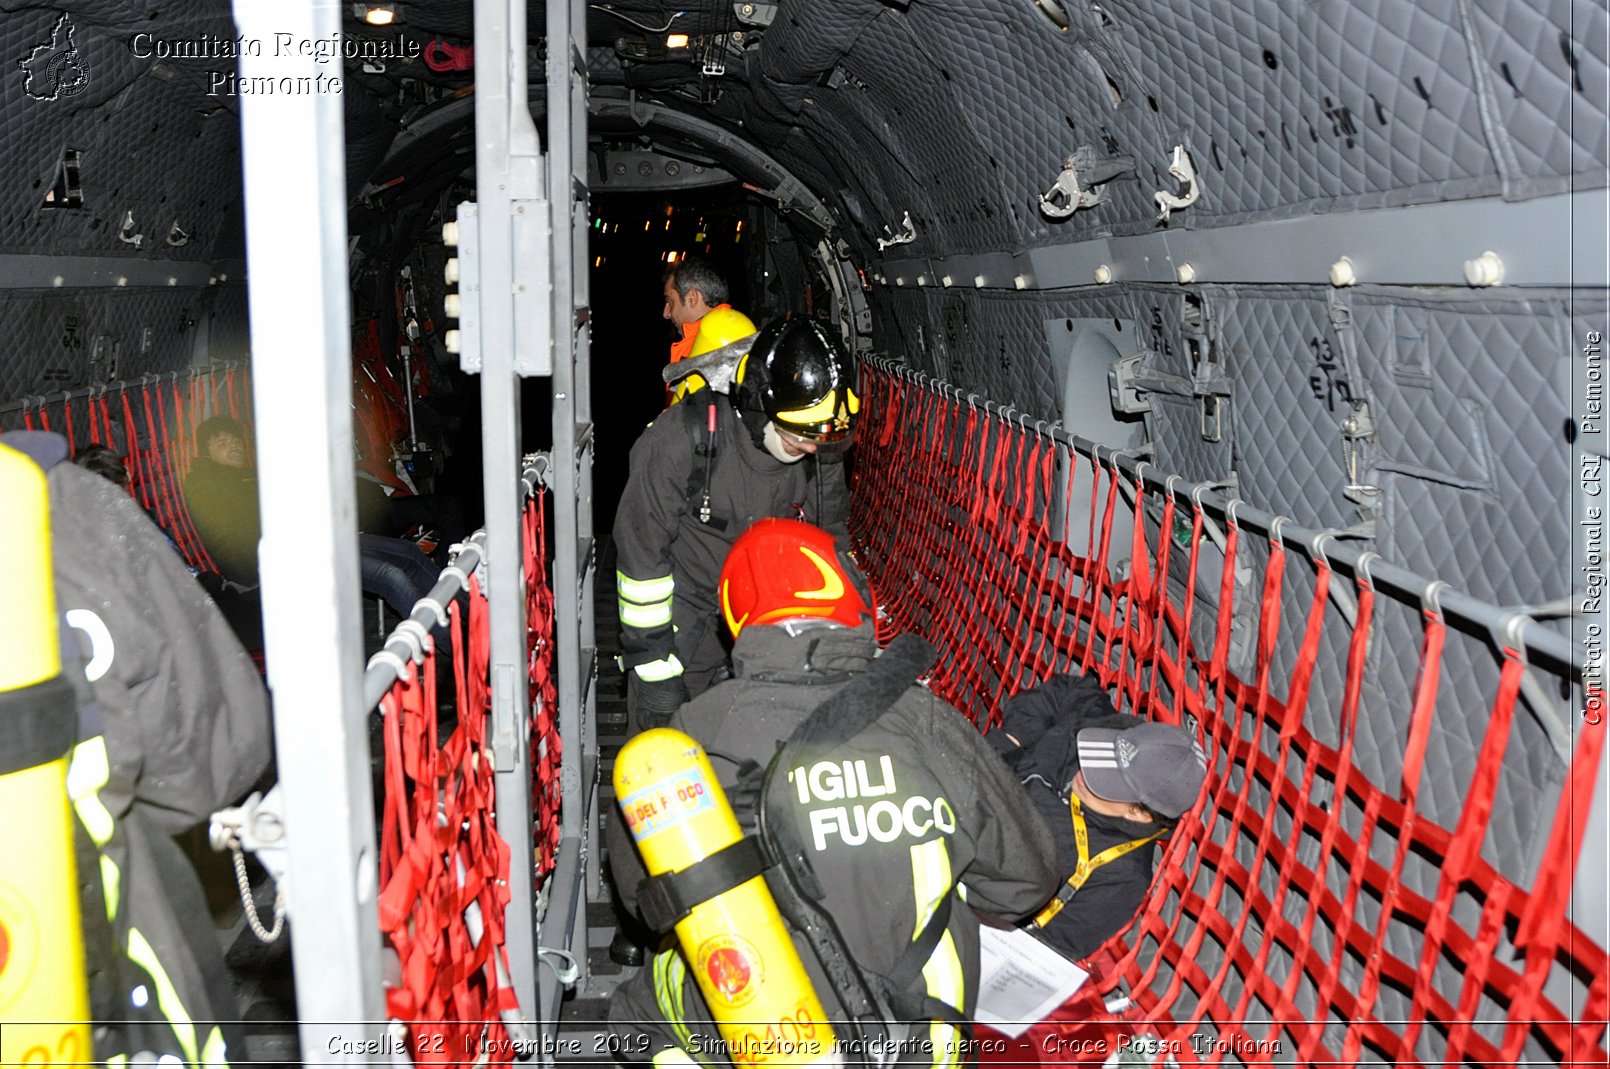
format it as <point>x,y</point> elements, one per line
<point>798,377</point>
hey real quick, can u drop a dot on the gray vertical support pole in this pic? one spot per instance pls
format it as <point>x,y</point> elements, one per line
<point>574,553</point>
<point>294,160</point>
<point>507,178</point>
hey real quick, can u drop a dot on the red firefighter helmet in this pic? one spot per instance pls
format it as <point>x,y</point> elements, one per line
<point>786,569</point>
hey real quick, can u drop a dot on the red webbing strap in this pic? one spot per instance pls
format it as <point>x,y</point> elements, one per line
<point>156,469</point>
<point>547,745</point>
<point>442,860</point>
<point>1542,923</point>
<point>67,425</point>
<point>1276,898</point>
<point>170,479</point>
<point>1095,584</point>
<point>1457,865</point>
<point>138,462</point>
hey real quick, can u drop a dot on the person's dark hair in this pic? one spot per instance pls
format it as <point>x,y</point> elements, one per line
<point>697,274</point>
<point>104,462</point>
<point>213,426</point>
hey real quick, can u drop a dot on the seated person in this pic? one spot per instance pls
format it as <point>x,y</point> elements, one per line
<point>221,491</point>
<point>108,464</point>
<point>433,522</point>
<point>1122,781</point>
<point>951,814</point>
<point>105,462</point>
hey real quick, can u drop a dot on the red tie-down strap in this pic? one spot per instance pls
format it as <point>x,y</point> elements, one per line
<point>444,867</point>
<point>168,462</point>
<point>547,747</point>
<point>1264,937</point>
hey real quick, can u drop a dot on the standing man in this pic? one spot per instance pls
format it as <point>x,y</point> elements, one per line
<point>700,475</point>
<point>693,288</point>
<point>893,798</point>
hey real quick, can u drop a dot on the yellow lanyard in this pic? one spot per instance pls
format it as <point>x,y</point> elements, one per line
<point>1087,864</point>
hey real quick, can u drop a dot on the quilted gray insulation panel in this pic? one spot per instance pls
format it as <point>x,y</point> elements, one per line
<point>1330,106</point>
<point>62,340</point>
<point>152,143</point>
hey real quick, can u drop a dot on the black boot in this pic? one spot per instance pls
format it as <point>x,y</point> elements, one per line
<point>624,951</point>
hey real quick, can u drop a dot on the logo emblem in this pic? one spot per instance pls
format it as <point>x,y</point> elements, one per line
<point>53,70</point>
<point>731,969</point>
<point>1126,752</point>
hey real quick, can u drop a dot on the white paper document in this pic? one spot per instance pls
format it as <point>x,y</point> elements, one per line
<point>1021,980</point>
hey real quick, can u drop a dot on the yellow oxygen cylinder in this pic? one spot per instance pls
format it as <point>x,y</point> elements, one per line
<point>736,945</point>
<point>44,1006</point>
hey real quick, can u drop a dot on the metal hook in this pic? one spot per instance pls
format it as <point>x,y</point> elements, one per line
<point>1316,547</point>
<point>391,660</point>
<point>414,633</point>
<point>416,650</point>
<point>1510,629</point>
<point>1229,511</point>
<point>1431,598</point>
<point>1275,527</point>
<point>435,608</point>
<point>454,570</point>
<point>1361,567</point>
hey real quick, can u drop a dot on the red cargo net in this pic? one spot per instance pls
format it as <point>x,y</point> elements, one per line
<point>546,746</point>
<point>1280,928</point>
<point>443,866</point>
<point>152,424</point>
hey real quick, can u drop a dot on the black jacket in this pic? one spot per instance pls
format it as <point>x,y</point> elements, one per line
<point>173,724</point>
<point>658,533</point>
<point>1045,721</point>
<point>922,756</point>
<point>223,504</point>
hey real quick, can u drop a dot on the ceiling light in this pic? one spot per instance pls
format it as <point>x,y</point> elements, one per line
<point>379,14</point>
<point>676,40</point>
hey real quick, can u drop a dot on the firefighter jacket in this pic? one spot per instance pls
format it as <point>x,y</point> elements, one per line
<point>173,724</point>
<point>1046,721</point>
<point>668,559</point>
<point>911,806</point>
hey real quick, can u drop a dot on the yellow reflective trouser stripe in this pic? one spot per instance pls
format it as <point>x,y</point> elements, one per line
<point>143,955</point>
<point>645,602</point>
<point>111,886</point>
<point>117,1061</point>
<point>674,1058</point>
<point>655,671</point>
<point>669,971</point>
<point>87,773</point>
<point>942,973</point>
<point>215,1051</point>
<point>1087,864</point>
